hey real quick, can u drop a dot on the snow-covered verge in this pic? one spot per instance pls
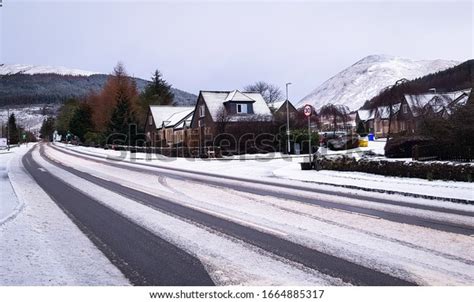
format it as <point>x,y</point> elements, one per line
<point>417,186</point>
<point>42,246</point>
<point>274,166</point>
<point>424,255</point>
<point>9,203</point>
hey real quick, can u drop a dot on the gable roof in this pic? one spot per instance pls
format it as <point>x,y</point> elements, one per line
<point>278,105</point>
<point>215,103</point>
<point>436,101</point>
<point>237,96</point>
<point>366,115</point>
<point>169,115</point>
<point>185,122</point>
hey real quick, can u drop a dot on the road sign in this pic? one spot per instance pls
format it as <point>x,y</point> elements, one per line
<point>308,110</point>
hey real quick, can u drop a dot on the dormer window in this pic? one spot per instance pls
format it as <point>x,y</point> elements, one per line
<point>242,108</point>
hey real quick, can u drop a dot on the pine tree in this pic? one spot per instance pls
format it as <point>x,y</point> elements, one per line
<point>104,102</point>
<point>158,91</point>
<point>81,121</point>
<point>13,130</point>
<point>47,128</point>
<point>123,117</point>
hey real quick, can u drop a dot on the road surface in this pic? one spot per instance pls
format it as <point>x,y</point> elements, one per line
<point>212,203</point>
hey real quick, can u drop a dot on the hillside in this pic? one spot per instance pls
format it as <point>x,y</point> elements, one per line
<point>368,77</point>
<point>456,78</point>
<point>28,85</point>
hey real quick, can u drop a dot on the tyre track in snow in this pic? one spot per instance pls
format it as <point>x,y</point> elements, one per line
<point>143,257</point>
<point>270,190</point>
<point>162,180</point>
<point>311,258</point>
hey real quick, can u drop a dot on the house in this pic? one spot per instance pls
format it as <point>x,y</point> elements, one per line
<point>415,106</point>
<point>165,124</point>
<point>346,123</point>
<point>366,117</point>
<point>384,120</point>
<point>219,112</point>
<point>408,112</point>
<point>279,110</point>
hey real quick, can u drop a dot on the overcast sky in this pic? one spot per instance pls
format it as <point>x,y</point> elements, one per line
<point>217,45</point>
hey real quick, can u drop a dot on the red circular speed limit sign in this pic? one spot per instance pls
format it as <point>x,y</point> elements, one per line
<point>308,110</point>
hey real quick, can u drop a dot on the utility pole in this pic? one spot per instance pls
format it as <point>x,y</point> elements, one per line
<point>288,118</point>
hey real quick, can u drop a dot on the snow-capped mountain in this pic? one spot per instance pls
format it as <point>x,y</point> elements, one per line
<point>22,84</point>
<point>39,69</point>
<point>366,78</point>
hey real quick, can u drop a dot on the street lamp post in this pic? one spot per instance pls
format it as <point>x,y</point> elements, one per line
<point>288,118</point>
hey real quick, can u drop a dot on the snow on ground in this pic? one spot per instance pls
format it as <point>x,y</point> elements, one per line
<point>29,117</point>
<point>436,188</point>
<point>228,261</point>
<point>424,255</point>
<point>42,246</point>
<point>275,165</point>
<point>6,69</point>
<point>9,204</point>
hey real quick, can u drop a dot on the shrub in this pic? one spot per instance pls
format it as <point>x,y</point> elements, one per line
<point>401,147</point>
<point>425,170</point>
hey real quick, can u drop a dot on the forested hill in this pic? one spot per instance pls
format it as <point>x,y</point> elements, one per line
<point>50,88</point>
<point>455,78</point>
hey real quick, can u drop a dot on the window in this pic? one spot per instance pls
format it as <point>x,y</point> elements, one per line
<point>405,108</point>
<point>200,123</point>
<point>150,120</point>
<point>242,108</point>
<point>202,111</point>
<point>403,126</point>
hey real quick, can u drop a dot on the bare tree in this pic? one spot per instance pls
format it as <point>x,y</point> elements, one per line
<point>271,93</point>
<point>222,119</point>
<point>336,112</point>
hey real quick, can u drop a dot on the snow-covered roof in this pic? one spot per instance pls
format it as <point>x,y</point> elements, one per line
<point>186,121</point>
<point>169,115</point>
<point>237,96</point>
<point>215,103</point>
<point>365,115</point>
<point>383,112</point>
<point>436,101</point>
<point>277,105</point>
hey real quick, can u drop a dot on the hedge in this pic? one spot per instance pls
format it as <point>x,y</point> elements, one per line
<point>425,170</point>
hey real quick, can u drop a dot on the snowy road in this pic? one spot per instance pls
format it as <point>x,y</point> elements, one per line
<point>131,248</point>
<point>262,232</point>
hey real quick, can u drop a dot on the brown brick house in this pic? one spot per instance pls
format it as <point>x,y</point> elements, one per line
<point>165,125</point>
<point>279,110</point>
<point>407,114</point>
<point>222,112</point>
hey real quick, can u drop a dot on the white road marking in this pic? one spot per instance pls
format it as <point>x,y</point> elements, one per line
<point>42,169</point>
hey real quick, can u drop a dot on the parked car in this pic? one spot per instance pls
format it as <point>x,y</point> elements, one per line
<point>343,143</point>
<point>324,137</point>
